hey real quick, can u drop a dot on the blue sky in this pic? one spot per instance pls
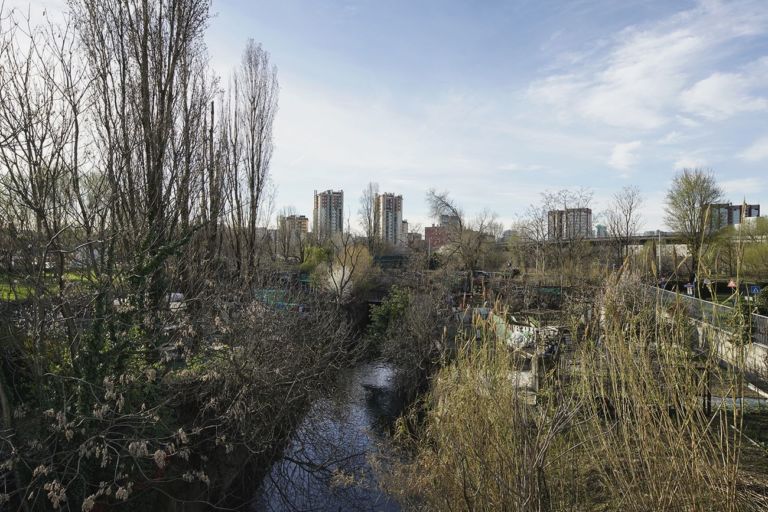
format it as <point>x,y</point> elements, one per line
<point>496,101</point>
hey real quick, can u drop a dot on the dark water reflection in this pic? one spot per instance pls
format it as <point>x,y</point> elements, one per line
<point>326,468</point>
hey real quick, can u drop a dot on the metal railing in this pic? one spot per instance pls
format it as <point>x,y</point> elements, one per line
<point>715,314</point>
<point>760,329</point>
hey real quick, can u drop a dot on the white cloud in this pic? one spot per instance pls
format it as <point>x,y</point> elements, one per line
<point>652,210</point>
<point>514,167</point>
<point>689,162</point>
<point>722,95</point>
<point>757,151</point>
<point>650,73</point>
<point>671,138</point>
<point>623,156</point>
<point>737,190</point>
<point>687,121</point>
<point>326,139</point>
<point>37,10</point>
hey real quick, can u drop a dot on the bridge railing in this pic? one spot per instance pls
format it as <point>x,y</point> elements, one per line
<point>760,329</point>
<point>712,313</point>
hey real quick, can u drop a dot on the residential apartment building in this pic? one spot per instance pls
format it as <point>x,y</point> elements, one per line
<point>728,214</point>
<point>436,237</point>
<point>414,237</point>
<point>328,213</point>
<point>294,224</point>
<point>569,224</point>
<point>388,216</point>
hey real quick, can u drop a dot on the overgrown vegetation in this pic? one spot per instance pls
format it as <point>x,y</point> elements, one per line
<point>141,366</point>
<point>412,329</point>
<point>622,421</point>
<point>158,344</point>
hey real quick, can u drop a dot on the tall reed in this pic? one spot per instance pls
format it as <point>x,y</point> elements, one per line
<point>621,421</point>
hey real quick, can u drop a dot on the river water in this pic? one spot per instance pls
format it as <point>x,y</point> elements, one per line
<point>326,465</point>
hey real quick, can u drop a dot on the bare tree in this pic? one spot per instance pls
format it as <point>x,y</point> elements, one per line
<point>533,232</point>
<point>623,218</point>
<point>688,211</point>
<point>367,214</point>
<point>41,101</point>
<point>150,99</point>
<point>469,240</point>
<point>250,110</point>
<point>116,187</point>
<point>290,240</point>
<point>566,240</point>
<point>554,232</point>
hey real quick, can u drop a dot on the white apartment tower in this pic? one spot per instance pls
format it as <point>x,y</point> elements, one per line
<point>388,216</point>
<point>328,213</point>
<point>569,224</point>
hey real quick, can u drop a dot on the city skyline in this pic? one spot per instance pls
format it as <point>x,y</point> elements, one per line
<point>752,210</point>
<point>496,103</point>
<point>499,102</point>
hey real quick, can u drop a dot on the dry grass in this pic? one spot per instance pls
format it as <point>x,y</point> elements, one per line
<point>619,424</point>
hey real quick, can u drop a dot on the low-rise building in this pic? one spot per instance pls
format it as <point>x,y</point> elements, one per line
<point>294,224</point>
<point>436,237</point>
<point>728,214</point>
